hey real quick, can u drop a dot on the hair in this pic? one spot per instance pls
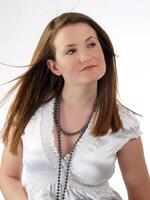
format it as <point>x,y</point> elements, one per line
<point>38,84</point>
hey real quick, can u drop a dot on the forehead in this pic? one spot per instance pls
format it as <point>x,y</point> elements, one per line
<point>74,33</point>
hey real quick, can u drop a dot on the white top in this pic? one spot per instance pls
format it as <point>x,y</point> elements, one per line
<point>93,161</point>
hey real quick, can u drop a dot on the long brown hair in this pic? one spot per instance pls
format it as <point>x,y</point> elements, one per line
<point>39,85</point>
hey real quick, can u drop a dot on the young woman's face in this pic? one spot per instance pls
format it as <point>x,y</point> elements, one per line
<point>77,47</point>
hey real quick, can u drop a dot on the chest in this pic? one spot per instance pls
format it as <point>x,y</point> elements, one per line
<point>71,121</point>
<point>90,162</point>
<point>67,142</point>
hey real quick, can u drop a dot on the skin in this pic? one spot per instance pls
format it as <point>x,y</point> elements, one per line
<point>11,173</point>
<point>134,170</point>
<point>79,92</point>
<point>80,85</point>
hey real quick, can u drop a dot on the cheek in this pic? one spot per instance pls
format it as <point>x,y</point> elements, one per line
<point>99,56</point>
<point>71,65</point>
<point>101,60</point>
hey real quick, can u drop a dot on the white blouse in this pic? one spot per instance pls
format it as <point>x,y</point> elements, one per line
<point>93,161</point>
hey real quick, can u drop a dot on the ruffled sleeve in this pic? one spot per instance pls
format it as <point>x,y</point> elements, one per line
<point>131,130</point>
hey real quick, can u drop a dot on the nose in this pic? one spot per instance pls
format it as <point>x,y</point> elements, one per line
<point>85,57</point>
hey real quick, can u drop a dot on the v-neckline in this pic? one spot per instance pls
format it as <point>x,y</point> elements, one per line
<point>66,157</point>
<point>47,134</point>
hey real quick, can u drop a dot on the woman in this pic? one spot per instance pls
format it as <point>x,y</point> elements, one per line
<point>66,127</point>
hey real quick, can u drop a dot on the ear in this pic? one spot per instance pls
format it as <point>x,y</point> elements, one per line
<point>53,67</point>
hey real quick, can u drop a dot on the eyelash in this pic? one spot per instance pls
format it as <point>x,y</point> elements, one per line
<point>73,50</point>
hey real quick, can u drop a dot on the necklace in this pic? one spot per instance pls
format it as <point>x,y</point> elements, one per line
<point>57,120</point>
<point>58,99</point>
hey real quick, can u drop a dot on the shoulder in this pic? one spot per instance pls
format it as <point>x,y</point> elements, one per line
<point>129,119</point>
<point>131,130</point>
<point>45,106</point>
<point>36,118</point>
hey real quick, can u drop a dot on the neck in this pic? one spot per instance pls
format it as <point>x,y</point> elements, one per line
<point>79,97</point>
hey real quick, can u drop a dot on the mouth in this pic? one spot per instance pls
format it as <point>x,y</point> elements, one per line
<point>88,67</point>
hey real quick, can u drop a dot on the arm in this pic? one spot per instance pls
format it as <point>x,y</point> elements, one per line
<point>10,175</point>
<point>134,171</point>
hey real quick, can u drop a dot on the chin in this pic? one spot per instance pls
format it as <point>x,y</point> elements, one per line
<point>88,82</point>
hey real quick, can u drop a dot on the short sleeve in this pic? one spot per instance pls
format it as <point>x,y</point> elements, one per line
<point>33,123</point>
<point>131,129</point>
<point>130,122</point>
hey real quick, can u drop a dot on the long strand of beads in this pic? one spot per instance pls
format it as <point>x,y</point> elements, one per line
<point>57,121</point>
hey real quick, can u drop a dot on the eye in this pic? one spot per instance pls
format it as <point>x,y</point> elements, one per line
<point>71,51</point>
<point>92,44</point>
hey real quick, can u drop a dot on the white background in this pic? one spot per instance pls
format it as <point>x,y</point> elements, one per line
<point>127,24</point>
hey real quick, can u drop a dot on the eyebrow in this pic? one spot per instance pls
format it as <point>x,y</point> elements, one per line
<point>70,45</point>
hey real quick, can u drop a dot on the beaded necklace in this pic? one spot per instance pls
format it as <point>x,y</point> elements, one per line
<point>57,105</point>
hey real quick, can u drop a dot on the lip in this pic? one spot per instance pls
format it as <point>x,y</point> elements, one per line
<point>88,67</point>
